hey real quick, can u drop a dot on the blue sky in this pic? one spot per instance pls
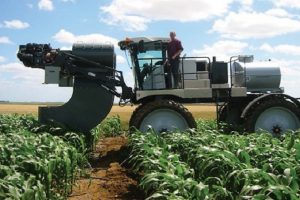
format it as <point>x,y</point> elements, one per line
<point>268,29</point>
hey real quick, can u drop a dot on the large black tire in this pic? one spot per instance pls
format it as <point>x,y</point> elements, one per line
<point>275,115</point>
<point>230,118</point>
<point>231,115</point>
<point>162,116</point>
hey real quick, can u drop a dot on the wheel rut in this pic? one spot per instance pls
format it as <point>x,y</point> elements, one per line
<point>110,178</point>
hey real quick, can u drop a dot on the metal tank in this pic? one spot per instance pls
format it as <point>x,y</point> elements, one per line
<point>100,53</point>
<point>256,77</point>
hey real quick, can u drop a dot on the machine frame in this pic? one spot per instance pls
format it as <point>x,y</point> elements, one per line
<point>241,100</point>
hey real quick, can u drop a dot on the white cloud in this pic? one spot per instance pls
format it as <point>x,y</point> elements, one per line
<point>23,80</point>
<point>16,24</point>
<point>46,5</point>
<point>278,12</point>
<point>72,1</point>
<point>2,59</point>
<point>282,49</point>
<point>129,79</point>
<point>245,25</point>
<point>67,37</point>
<point>66,48</point>
<point>129,23</point>
<point>5,40</point>
<point>287,3</point>
<point>64,36</point>
<point>266,47</point>
<point>135,14</point>
<point>222,49</point>
<point>21,91</point>
<point>290,70</point>
<point>18,72</point>
<point>13,67</point>
<point>120,60</point>
<point>246,2</point>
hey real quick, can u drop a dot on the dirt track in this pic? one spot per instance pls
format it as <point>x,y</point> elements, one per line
<point>109,178</point>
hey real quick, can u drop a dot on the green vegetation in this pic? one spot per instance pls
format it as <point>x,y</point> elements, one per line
<point>42,161</point>
<point>38,161</point>
<point>110,127</point>
<point>205,164</point>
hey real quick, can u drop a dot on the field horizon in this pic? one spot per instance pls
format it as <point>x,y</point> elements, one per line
<point>202,111</point>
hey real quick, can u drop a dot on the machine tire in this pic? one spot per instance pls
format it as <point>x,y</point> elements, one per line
<point>170,106</point>
<point>230,115</point>
<point>233,115</point>
<point>279,105</point>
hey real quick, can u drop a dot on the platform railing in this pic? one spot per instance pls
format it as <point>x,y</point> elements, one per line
<point>182,73</point>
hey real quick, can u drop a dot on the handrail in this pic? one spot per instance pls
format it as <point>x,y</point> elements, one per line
<point>182,78</point>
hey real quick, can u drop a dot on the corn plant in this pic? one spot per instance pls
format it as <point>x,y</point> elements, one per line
<point>110,127</point>
<point>230,166</point>
<point>165,176</point>
<point>35,164</point>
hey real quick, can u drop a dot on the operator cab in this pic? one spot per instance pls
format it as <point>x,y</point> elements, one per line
<point>148,56</point>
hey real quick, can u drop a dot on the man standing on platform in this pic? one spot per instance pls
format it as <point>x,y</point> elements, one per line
<point>174,50</point>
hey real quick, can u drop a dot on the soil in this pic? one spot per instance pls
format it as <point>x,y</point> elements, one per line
<point>110,176</point>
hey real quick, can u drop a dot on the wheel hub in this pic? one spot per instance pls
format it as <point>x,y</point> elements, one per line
<point>277,130</point>
<point>164,120</point>
<point>277,120</point>
<point>163,130</point>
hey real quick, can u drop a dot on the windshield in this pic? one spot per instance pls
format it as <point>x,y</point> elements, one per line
<point>146,58</point>
<point>150,58</point>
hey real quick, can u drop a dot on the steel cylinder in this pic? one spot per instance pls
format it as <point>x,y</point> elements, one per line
<point>97,52</point>
<point>262,78</point>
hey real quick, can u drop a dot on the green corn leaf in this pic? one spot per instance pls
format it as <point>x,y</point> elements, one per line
<point>297,147</point>
<point>156,196</point>
<point>29,194</point>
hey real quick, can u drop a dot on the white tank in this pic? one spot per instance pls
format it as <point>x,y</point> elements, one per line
<point>257,77</point>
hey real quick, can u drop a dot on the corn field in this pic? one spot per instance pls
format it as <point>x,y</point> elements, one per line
<point>205,164</point>
<point>38,161</point>
<point>42,161</point>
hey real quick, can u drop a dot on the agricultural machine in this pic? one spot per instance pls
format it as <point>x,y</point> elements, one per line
<point>248,97</point>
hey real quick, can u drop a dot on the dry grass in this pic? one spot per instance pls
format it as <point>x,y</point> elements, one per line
<point>198,111</point>
<point>18,108</point>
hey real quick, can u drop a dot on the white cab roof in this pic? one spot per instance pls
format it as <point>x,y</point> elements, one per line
<point>150,39</point>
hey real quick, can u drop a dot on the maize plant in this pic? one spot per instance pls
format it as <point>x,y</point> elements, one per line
<point>110,127</point>
<point>35,164</point>
<point>164,174</point>
<point>220,166</point>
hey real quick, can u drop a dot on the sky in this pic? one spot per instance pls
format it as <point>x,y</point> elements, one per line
<point>268,29</point>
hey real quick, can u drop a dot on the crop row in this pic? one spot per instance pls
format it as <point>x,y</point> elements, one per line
<point>223,166</point>
<point>163,172</point>
<point>37,161</point>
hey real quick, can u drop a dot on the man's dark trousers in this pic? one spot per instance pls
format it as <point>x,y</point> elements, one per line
<point>174,70</point>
